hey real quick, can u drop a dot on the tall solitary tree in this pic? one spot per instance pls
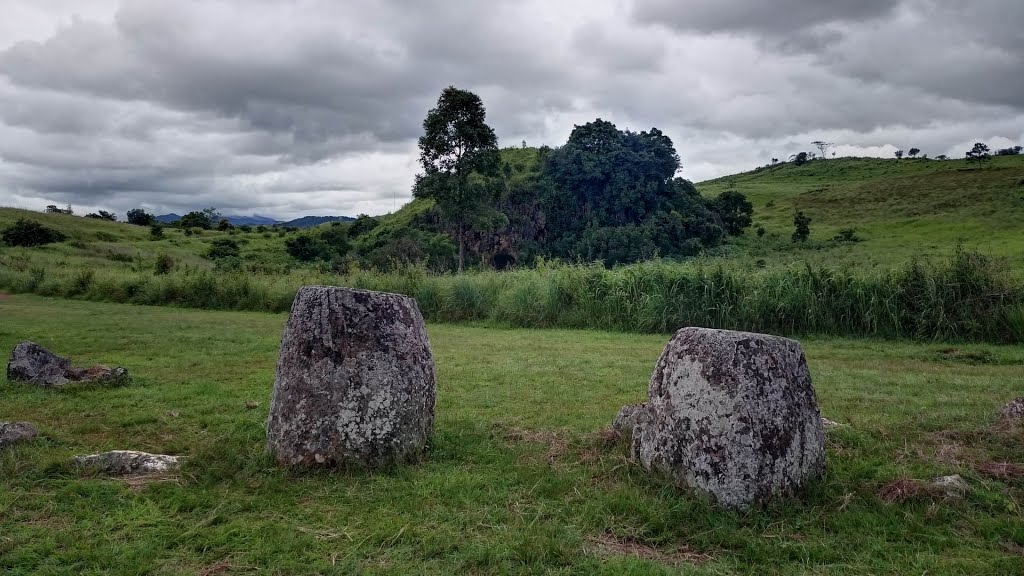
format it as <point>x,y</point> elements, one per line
<point>459,155</point>
<point>822,146</point>
<point>979,153</point>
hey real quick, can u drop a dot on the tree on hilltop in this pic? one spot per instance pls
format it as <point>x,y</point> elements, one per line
<point>979,153</point>
<point>459,156</point>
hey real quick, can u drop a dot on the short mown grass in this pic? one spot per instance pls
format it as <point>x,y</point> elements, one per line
<point>520,477</point>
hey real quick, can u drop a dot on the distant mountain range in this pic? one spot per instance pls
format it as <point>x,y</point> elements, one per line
<point>257,220</point>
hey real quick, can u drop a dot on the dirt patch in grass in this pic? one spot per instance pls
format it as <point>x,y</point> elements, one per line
<point>225,567</point>
<point>141,481</point>
<point>566,448</point>
<point>985,450</point>
<point>904,489</point>
<point>556,441</point>
<point>676,554</point>
<point>972,357</point>
<point>1002,470</point>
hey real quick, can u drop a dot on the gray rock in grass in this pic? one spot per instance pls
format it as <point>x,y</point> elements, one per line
<point>952,486</point>
<point>1013,411</point>
<point>32,363</point>
<point>129,462</point>
<point>732,414</point>
<point>355,381</point>
<point>12,433</point>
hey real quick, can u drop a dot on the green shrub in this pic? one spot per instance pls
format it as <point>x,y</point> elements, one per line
<point>801,227</point>
<point>223,248</point>
<point>26,232</point>
<point>846,235</point>
<point>105,236</point>
<point>164,264</point>
<point>306,248</point>
<point>119,256</point>
<point>228,264</point>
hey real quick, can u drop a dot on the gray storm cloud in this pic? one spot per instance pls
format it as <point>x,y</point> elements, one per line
<point>313,106</point>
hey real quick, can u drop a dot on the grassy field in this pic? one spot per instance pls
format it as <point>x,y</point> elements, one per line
<point>901,209</point>
<point>519,477</point>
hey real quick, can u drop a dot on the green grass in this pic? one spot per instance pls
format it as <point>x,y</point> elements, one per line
<point>901,209</point>
<point>517,479</point>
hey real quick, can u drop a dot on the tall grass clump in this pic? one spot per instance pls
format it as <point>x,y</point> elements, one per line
<point>967,297</point>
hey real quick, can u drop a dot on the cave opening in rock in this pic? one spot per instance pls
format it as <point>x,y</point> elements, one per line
<point>504,261</point>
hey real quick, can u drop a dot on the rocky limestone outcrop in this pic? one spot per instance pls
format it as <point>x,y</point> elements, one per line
<point>129,462</point>
<point>732,414</point>
<point>32,363</point>
<point>355,381</point>
<point>12,433</point>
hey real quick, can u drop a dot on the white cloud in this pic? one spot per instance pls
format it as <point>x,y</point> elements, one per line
<point>313,106</point>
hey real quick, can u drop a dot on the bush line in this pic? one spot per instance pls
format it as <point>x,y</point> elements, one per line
<point>968,297</point>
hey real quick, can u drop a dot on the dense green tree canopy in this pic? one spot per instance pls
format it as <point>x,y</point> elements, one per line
<point>140,217</point>
<point>612,195</point>
<point>459,156</point>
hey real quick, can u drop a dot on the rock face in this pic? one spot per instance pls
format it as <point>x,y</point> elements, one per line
<point>355,381</point>
<point>31,362</point>
<point>12,433</point>
<point>129,462</point>
<point>732,414</point>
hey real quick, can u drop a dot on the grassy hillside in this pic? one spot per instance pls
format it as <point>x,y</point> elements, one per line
<point>99,244</point>
<point>900,209</point>
<point>519,477</point>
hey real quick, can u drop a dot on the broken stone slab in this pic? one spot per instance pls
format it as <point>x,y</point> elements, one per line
<point>32,363</point>
<point>629,417</point>
<point>12,433</point>
<point>129,462</point>
<point>952,486</point>
<point>355,381</point>
<point>1013,411</point>
<point>829,424</point>
<point>732,414</point>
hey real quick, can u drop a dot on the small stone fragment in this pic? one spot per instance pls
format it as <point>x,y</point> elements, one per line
<point>1013,412</point>
<point>953,486</point>
<point>12,433</point>
<point>829,424</point>
<point>629,417</point>
<point>32,363</point>
<point>129,462</point>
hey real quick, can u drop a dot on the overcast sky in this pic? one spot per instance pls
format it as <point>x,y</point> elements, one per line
<point>294,107</point>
